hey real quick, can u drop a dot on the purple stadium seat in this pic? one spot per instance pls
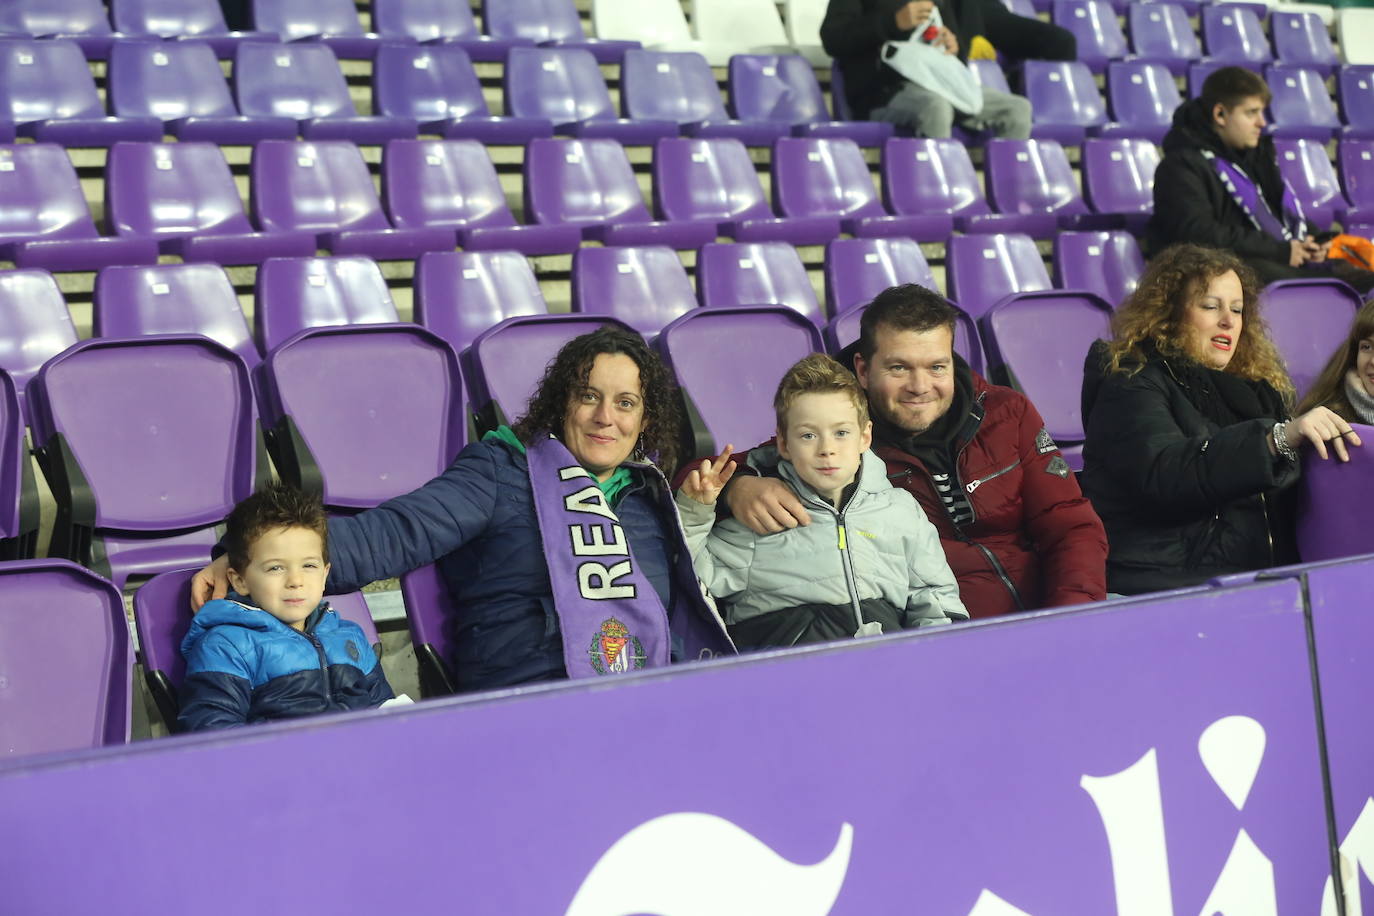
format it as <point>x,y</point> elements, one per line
<point>452,185</point>
<point>330,22</point>
<point>202,20</point>
<point>1327,528</point>
<point>981,269</point>
<point>1356,159</point>
<point>180,84</point>
<point>396,387</point>
<point>845,329</point>
<point>1301,39</point>
<point>45,221</point>
<point>67,658</point>
<point>183,196</point>
<point>1036,342</point>
<point>565,86</point>
<point>589,183</point>
<point>1143,97</point>
<point>147,444</point>
<point>326,188</point>
<point>1355,88</point>
<point>989,73</point>
<point>554,23</point>
<point>1232,33</point>
<point>1198,71</point>
<point>1301,106</point>
<point>303,82</point>
<point>856,270</point>
<point>644,287</point>
<point>782,89</point>
<point>436,86</point>
<point>828,178</point>
<point>1033,178</point>
<point>1308,320</point>
<point>714,179</point>
<point>427,599</point>
<point>47,91</point>
<point>507,360</point>
<point>756,273</point>
<point>1119,178</point>
<point>19,506</point>
<point>172,299</point>
<point>459,294</point>
<point>734,405</point>
<point>1305,166</point>
<point>1107,263</point>
<point>34,325</point>
<point>162,615</point>
<point>447,22</point>
<point>1161,33</point>
<point>80,21</point>
<point>1021,8</point>
<point>1065,101</point>
<point>678,86</point>
<point>294,294</point>
<point>925,176</point>
<point>1095,25</point>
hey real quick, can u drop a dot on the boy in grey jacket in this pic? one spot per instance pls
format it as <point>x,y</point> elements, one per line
<point>868,563</point>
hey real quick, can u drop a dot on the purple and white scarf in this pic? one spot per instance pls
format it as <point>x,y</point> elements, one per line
<point>1247,196</point>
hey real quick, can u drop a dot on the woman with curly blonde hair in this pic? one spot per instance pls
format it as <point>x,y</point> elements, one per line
<point>1190,444</point>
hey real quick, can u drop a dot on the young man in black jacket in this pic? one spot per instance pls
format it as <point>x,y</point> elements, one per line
<point>1219,185</point>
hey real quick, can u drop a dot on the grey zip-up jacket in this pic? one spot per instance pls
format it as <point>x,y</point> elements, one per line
<point>878,547</point>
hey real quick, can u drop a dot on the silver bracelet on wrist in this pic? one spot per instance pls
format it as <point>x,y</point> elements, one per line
<point>1281,445</point>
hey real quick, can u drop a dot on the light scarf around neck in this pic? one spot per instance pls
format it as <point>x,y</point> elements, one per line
<point>1360,399</point>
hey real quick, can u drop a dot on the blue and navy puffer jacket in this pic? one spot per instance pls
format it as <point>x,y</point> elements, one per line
<point>477,519</point>
<point>243,666</point>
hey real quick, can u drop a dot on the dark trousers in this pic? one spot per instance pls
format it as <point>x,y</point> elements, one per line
<point>1269,271</point>
<point>1019,37</point>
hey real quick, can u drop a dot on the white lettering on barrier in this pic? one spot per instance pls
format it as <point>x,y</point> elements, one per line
<point>1133,814</point>
<point>1356,857</point>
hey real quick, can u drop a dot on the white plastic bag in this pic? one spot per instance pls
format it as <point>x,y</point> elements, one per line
<point>929,67</point>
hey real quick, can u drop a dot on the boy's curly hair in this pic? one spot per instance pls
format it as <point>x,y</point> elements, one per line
<point>275,506</point>
<point>567,375</point>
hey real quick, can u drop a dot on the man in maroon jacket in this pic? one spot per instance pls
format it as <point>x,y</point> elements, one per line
<point>1016,529</point>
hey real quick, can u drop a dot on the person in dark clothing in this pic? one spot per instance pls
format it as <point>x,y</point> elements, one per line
<point>1219,185</point>
<point>1190,446</point>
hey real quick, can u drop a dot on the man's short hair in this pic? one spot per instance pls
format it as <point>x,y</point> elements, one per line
<point>275,506</point>
<point>817,374</point>
<point>1230,86</point>
<point>904,308</point>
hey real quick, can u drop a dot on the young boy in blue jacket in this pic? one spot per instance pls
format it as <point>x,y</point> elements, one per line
<point>274,649</point>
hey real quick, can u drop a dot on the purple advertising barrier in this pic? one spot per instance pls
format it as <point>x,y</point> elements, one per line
<point>1343,631</point>
<point>1147,759</point>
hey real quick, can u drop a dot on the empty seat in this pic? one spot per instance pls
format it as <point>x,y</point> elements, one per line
<point>1355,32</point>
<point>1356,158</point>
<point>34,325</point>
<point>303,82</point>
<point>447,22</point>
<point>180,84</point>
<point>856,270</point>
<point>729,27</point>
<point>19,506</point>
<point>1161,33</point>
<point>734,405</point>
<point>656,24</point>
<point>924,176</point>
<point>981,269</point>
<point>554,23</point>
<point>202,20</point>
<point>1143,98</point>
<point>67,658</point>
<point>45,221</point>
<point>565,86</point>
<point>1065,102</point>
<point>1308,320</point>
<point>426,596</point>
<point>678,86</point>
<point>1107,263</point>
<point>183,196</point>
<point>818,177</point>
<point>147,444</point>
<point>644,287</point>
<point>700,179</point>
<point>1096,28</point>
<point>460,294</point>
<point>756,273</point>
<point>1034,178</point>
<point>589,183</point>
<point>845,328</point>
<point>1355,87</point>
<point>172,299</point>
<point>1232,33</point>
<point>395,387</point>
<point>326,188</point>
<point>1302,40</point>
<point>1301,105</point>
<point>435,86</point>
<point>1036,342</point>
<point>1304,165</point>
<point>82,22</point>
<point>783,90</point>
<point>1328,530</point>
<point>298,293</point>
<point>452,185</point>
<point>47,91</point>
<point>330,22</point>
<point>1119,178</point>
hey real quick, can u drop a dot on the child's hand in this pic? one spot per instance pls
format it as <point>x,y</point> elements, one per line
<point>705,483</point>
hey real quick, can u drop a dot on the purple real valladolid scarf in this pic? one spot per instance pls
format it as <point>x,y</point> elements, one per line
<point>1247,196</point>
<point>611,617</point>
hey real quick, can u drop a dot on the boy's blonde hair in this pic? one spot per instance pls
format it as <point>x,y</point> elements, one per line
<point>817,374</point>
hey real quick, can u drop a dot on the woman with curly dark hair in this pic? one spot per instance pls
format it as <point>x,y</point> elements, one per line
<point>557,538</point>
<point>1190,439</point>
